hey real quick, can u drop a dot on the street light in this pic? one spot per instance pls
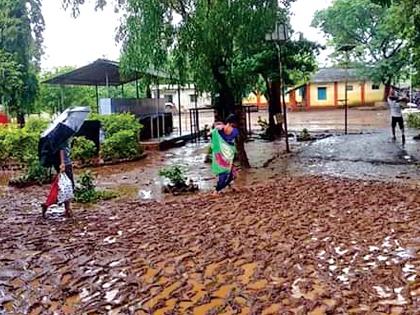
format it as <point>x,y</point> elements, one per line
<point>279,35</point>
<point>346,49</point>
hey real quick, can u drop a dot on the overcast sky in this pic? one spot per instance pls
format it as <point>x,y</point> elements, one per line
<point>76,42</point>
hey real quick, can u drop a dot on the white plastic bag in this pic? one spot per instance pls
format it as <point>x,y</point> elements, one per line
<point>65,188</point>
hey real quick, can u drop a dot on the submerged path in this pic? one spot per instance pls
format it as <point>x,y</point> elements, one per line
<point>302,245</point>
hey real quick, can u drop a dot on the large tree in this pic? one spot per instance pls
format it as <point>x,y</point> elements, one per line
<point>407,24</point>
<point>21,27</point>
<point>379,51</point>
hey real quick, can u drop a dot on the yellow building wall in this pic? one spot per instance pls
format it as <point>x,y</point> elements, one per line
<point>314,95</point>
<point>354,96</point>
<point>373,96</point>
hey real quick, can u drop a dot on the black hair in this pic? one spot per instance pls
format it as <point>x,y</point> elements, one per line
<point>231,119</point>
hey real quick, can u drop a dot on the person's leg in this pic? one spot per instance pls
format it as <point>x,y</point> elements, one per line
<point>393,125</point>
<point>67,204</point>
<point>45,206</point>
<point>401,125</point>
<point>222,181</point>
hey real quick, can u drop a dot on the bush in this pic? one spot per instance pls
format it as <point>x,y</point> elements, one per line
<point>83,149</point>
<point>112,124</point>
<point>18,145</point>
<point>35,173</point>
<point>86,192</point>
<point>175,174</point>
<point>36,125</point>
<point>121,145</point>
<point>413,120</point>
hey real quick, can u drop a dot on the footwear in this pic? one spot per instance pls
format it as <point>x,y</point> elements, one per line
<point>393,138</point>
<point>44,210</point>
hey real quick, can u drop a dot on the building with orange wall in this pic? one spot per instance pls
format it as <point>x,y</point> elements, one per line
<point>326,89</point>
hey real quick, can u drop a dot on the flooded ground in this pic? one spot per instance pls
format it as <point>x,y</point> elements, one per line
<point>331,228</point>
<point>301,245</point>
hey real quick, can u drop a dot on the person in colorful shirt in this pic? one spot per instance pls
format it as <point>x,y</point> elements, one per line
<point>223,138</point>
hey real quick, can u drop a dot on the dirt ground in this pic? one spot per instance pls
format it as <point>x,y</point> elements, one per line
<point>286,242</point>
<point>301,245</point>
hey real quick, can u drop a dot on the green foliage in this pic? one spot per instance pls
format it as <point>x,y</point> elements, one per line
<point>121,145</point>
<point>380,49</point>
<point>86,192</point>
<point>83,149</point>
<point>121,136</point>
<point>18,145</point>
<point>413,120</point>
<point>115,123</point>
<point>175,174</point>
<point>304,134</point>
<point>21,27</point>
<point>36,125</point>
<point>36,173</point>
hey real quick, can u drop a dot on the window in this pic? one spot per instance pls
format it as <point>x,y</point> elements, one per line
<point>375,86</point>
<point>170,98</point>
<point>301,91</point>
<point>349,87</point>
<point>193,98</point>
<point>322,93</point>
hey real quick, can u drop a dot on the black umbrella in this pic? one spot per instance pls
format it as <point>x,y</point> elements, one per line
<point>63,128</point>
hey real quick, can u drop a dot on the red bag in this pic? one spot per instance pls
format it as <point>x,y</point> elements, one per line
<point>52,196</point>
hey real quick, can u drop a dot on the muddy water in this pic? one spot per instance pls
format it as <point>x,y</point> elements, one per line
<point>278,246</point>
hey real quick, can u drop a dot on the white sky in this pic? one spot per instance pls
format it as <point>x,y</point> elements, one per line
<point>77,42</point>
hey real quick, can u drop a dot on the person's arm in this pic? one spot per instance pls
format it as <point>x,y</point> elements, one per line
<point>219,125</point>
<point>62,164</point>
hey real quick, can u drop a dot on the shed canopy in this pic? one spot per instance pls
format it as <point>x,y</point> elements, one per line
<point>102,72</point>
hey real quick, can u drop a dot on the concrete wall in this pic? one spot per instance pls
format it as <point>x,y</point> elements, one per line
<point>361,94</point>
<point>187,103</point>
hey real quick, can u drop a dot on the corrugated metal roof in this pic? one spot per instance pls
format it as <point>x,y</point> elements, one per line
<point>101,72</point>
<point>326,75</point>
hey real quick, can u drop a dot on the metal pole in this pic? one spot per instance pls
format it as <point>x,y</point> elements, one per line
<point>196,122</point>
<point>283,99</point>
<point>158,109</point>
<point>137,89</point>
<point>345,95</point>
<point>107,83</point>
<point>122,90</point>
<point>62,98</point>
<point>179,109</point>
<point>97,99</point>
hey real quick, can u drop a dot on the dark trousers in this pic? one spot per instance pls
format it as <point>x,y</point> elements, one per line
<point>224,180</point>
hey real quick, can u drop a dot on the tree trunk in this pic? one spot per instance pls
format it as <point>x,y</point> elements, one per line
<point>387,90</point>
<point>21,119</point>
<point>225,105</point>
<point>242,156</point>
<point>274,108</point>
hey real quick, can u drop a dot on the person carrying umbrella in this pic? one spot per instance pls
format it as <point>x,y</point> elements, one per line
<point>54,151</point>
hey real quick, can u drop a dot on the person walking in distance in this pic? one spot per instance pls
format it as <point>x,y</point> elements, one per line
<point>394,103</point>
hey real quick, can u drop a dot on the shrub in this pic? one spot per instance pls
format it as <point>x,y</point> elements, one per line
<point>112,124</point>
<point>175,174</point>
<point>121,145</point>
<point>86,192</point>
<point>35,173</point>
<point>36,125</point>
<point>83,149</point>
<point>19,145</point>
<point>413,120</point>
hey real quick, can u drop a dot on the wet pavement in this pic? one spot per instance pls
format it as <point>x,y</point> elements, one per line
<point>301,245</point>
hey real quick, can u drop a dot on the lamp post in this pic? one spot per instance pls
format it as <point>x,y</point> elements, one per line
<point>280,35</point>
<point>346,49</point>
